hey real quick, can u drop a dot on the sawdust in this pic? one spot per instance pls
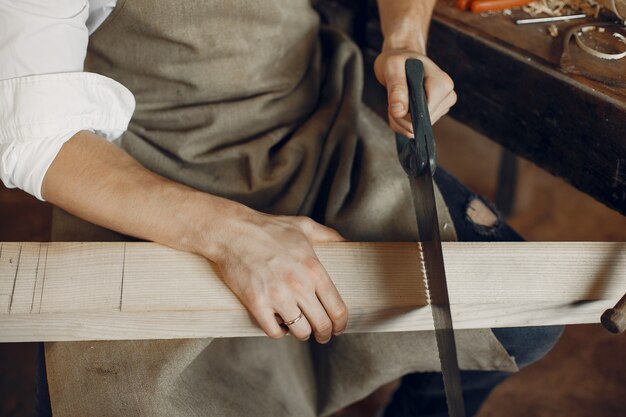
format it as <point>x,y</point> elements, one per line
<point>562,7</point>
<point>553,31</point>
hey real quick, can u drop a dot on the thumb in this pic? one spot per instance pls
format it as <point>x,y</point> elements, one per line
<point>397,93</point>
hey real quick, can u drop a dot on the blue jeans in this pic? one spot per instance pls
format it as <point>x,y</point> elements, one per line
<point>422,394</point>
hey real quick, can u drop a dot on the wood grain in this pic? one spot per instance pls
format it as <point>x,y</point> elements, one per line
<point>104,291</point>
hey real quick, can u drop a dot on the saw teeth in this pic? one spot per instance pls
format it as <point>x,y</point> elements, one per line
<point>423,267</point>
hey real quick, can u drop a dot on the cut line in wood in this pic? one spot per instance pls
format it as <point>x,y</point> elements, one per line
<point>120,291</point>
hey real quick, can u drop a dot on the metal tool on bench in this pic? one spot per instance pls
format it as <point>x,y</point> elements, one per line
<point>417,157</point>
<point>550,19</point>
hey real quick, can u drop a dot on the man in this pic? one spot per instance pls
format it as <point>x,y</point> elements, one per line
<point>248,123</point>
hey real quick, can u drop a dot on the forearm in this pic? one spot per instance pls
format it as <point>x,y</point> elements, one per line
<point>405,23</point>
<point>98,182</point>
<point>267,261</point>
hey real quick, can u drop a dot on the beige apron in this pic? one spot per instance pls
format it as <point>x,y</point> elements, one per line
<point>252,101</point>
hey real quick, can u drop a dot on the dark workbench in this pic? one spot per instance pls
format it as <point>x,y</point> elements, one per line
<point>511,89</point>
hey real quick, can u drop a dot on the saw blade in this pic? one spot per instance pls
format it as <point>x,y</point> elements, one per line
<point>419,162</point>
<point>437,290</point>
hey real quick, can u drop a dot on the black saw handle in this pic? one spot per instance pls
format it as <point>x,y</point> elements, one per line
<point>416,155</point>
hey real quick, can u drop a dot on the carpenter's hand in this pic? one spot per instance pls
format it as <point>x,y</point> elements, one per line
<point>269,263</point>
<point>390,72</point>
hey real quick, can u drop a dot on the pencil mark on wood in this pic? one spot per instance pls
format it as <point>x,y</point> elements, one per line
<point>123,267</point>
<point>32,300</point>
<point>17,268</point>
<point>1,246</point>
<point>43,280</point>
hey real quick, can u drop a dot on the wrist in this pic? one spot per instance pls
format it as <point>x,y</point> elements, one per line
<point>406,34</point>
<point>407,30</point>
<point>211,223</point>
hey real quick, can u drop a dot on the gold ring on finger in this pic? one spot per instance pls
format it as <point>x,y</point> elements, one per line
<point>294,321</point>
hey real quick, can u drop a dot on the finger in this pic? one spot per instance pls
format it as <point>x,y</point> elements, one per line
<point>399,129</point>
<point>406,124</point>
<point>268,323</point>
<point>444,107</point>
<point>437,84</point>
<point>301,329</point>
<point>397,90</point>
<point>316,232</point>
<point>334,305</point>
<point>316,314</point>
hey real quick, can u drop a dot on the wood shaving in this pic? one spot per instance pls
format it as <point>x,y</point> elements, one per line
<point>553,31</point>
<point>562,7</point>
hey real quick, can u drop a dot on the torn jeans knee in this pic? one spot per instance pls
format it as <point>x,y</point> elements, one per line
<point>483,216</point>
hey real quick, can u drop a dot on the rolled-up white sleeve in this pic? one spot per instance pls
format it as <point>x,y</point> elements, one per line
<point>45,98</point>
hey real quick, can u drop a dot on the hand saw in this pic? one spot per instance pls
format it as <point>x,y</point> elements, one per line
<point>417,157</point>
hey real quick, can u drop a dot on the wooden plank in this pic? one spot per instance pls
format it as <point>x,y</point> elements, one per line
<point>102,291</point>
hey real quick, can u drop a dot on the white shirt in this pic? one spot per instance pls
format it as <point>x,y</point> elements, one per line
<point>45,97</point>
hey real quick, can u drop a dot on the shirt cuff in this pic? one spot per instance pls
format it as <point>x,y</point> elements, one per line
<point>38,114</point>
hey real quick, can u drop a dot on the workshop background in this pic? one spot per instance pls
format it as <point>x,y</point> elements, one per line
<point>584,375</point>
